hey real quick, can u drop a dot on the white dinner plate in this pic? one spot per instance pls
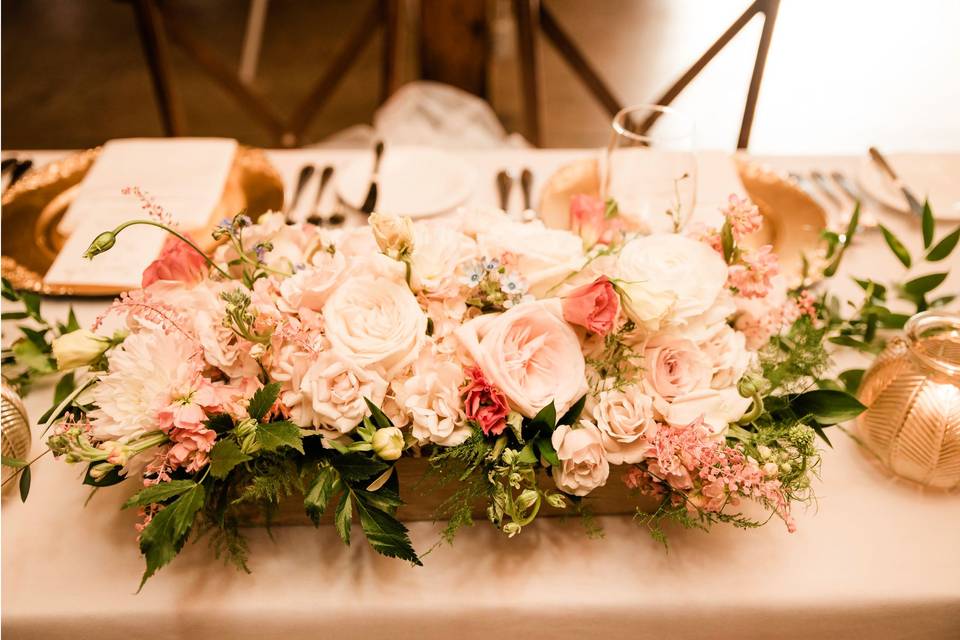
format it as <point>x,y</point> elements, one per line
<point>414,181</point>
<point>936,177</point>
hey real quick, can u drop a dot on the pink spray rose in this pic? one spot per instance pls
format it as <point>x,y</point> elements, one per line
<point>588,219</point>
<point>593,306</point>
<point>177,262</point>
<point>484,403</point>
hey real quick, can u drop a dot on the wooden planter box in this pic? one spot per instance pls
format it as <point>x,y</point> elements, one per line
<point>423,498</point>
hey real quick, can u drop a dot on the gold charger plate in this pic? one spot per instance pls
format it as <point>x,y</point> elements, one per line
<point>34,206</point>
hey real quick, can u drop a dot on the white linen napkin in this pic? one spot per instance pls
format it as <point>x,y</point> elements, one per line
<point>186,176</point>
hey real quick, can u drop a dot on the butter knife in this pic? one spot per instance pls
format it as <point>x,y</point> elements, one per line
<point>370,202</point>
<point>912,201</point>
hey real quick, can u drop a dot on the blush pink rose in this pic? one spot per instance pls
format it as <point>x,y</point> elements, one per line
<point>178,262</point>
<point>583,461</point>
<point>675,367</point>
<point>530,353</point>
<point>593,306</point>
<point>484,403</point>
<point>588,219</point>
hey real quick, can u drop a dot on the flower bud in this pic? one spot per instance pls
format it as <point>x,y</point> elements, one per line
<point>770,469</point>
<point>118,453</point>
<point>764,451</point>
<point>557,501</point>
<point>527,498</point>
<point>511,529</point>
<point>78,348</point>
<point>101,243</point>
<point>388,443</point>
<point>747,387</point>
<point>394,234</point>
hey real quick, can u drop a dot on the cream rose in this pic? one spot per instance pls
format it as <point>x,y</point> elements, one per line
<point>726,349</point>
<point>331,392</point>
<point>668,279</point>
<point>375,321</point>
<point>431,398</point>
<point>438,252</point>
<point>583,461</point>
<point>624,418</point>
<point>530,354</point>
<point>394,234</point>
<point>544,257</point>
<point>674,366</point>
<point>718,408</point>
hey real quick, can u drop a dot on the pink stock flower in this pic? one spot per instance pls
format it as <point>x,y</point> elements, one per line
<point>177,262</point>
<point>593,306</point>
<point>744,216</point>
<point>751,277</point>
<point>484,403</point>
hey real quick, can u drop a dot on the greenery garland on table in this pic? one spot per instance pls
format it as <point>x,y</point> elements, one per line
<point>295,363</point>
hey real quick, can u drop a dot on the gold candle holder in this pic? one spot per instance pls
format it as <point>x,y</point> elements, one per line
<point>912,392</point>
<point>14,428</point>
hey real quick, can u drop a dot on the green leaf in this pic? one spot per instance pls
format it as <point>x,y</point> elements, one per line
<point>14,315</point>
<point>573,413</point>
<point>384,499</point>
<point>31,301</point>
<point>72,323</point>
<point>894,320</point>
<point>896,246</point>
<point>24,484</point>
<point>381,479</point>
<point>818,429</point>
<point>343,517</point>
<point>164,536</point>
<point>220,422</point>
<point>224,456</point>
<point>273,435</point>
<point>851,379</point>
<point>941,301</point>
<point>262,400</point>
<point>354,467</point>
<point>927,224</point>
<point>726,241</point>
<point>527,456</point>
<point>65,387</point>
<point>945,247</point>
<point>379,417</point>
<point>924,284</point>
<point>8,292</point>
<point>827,406</point>
<point>14,463</point>
<point>515,422</point>
<point>546,419</point>
<point>29,355</point>
<point>110,478</point>
<point>158,493</point>
<point>324,486</point>
<point>879,291</point>
<point>387,535</point>
<point>547,452</point>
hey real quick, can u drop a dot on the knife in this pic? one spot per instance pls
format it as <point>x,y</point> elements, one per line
<point>370,202</point>
<point>912,201</point>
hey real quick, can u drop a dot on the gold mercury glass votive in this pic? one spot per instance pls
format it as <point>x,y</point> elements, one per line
<point>14,428</point>
<point>912,392</point>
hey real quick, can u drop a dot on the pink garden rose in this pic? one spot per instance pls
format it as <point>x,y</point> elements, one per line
<point>583,462</point>
<point>484,403</point>
<point>588,220</point>
<point>530,354</point>
<point>674,366</point>
<point>593,306</point>
<point>177,262</point>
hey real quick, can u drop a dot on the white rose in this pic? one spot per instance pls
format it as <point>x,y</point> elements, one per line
<point>625,421</point>
<point>718,408</point>
<point>544,257</point>
<point>331,392</point>
<point>431,397</point>
<point>530,354</point>
<point>583,461</point>
<point>438,252</point>
<point>668,279</point>
<point>375,321</point>
<point>729,358</point>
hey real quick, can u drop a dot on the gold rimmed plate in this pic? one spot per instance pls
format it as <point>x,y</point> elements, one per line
<point>35,205</point>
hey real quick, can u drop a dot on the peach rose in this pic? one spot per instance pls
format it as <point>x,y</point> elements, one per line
<point>593,306</point>
<point>674,366</point>
<point>178,262</point>
<point>530,354</point>
<point>583,462</point>
<point>431,397</point>
<point>625,420</point>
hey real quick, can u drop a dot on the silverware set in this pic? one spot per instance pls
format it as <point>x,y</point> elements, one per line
<point>505,184</point>
<point>315,215</point>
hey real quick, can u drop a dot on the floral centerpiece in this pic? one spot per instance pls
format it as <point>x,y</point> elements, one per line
<point>297,362</point>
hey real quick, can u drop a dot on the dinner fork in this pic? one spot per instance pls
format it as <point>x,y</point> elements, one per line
<point>305,174</point>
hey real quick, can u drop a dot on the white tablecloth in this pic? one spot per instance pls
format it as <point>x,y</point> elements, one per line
<point>874,559</point>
